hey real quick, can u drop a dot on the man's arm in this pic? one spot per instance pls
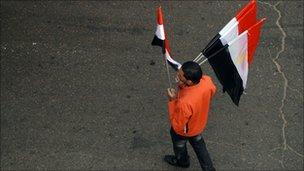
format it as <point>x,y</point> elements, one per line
<point>213,89</point>
<point>179,115</point>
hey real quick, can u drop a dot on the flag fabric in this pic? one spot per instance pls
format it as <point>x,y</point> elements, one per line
<point>246,8</point>
<point>161,40</point>
<point>231,62</point>
<point>250,6</point>
<point>243,21</point>
<point>229,53</point>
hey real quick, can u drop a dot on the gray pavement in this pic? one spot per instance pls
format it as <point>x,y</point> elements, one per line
<point>82,88</point>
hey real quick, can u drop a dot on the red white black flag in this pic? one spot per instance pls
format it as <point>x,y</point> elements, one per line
<point>241,22</point>
<point>161,40</point>
<point>231,62</point>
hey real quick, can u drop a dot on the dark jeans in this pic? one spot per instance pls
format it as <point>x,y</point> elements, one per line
<point>198,145</point>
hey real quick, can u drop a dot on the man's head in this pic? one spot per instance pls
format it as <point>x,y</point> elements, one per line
<point>190,73</point>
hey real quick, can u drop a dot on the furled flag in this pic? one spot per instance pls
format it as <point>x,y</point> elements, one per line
<point>161,40</point>
<point>243,21</point>
<point>230,63</point>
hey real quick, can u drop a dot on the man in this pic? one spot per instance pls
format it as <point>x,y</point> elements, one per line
<point>188,112</point>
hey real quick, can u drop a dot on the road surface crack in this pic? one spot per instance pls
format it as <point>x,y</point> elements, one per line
<point>285,145</point>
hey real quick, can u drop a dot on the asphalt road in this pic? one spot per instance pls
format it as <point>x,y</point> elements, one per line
<point>82,88</point>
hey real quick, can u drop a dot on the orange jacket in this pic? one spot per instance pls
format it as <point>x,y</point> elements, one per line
<point>188,113</point>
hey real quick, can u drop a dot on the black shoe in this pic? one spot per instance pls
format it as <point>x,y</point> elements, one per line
<point>172,160</point>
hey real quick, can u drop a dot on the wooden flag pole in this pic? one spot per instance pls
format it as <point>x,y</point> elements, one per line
<point>168,73</point>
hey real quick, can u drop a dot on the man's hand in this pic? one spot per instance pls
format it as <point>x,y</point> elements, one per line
<point>171,93</point>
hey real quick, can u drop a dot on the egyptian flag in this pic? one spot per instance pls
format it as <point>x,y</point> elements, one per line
<point>161,40</point>
<point>243,21</point>
<point>230,63</point>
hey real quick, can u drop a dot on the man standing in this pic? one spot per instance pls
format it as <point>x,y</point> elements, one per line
<point>188,112</point>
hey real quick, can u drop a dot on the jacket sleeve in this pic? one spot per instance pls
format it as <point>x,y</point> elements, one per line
<point>179,114</point>
<point>212,87</point>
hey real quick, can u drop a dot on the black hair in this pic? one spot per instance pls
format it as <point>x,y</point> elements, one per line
<point>192,71</point>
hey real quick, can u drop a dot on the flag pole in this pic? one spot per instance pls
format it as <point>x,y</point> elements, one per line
<point>168,73</point>
<point>197,57</point>
<point>203,61</point>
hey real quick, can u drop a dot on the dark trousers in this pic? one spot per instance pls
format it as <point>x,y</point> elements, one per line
<point>198,145</point>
